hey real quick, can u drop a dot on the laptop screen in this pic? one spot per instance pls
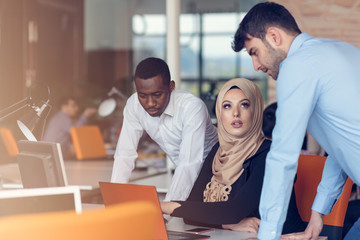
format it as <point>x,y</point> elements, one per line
<point>114,193</point>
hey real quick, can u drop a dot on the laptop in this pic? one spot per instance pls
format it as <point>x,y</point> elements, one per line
<point>39,200</point>
<point>114,193</point>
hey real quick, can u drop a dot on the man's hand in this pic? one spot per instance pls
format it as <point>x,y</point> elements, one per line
<point>312,231</point>
<point>88,112</point>
<point>169,207</point>
<point>246,225</point>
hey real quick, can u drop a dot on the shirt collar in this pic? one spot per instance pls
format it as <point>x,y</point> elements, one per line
<point>298,41</point>
<point>170,109</point>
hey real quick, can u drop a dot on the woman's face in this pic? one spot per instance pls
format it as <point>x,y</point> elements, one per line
<point>236,114</point>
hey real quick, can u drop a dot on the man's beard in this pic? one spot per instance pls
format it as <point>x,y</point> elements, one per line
<point>275,57</point>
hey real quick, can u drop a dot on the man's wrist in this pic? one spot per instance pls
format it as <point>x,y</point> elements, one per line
<point>269,231</point>
<point>316,214</point>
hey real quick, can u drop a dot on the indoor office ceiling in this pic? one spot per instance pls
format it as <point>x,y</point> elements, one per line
<point>336,19</point>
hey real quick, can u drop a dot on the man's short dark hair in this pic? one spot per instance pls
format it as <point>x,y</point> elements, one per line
<point>257,21</point>
<point>65,100</point>
<point>151,67</point>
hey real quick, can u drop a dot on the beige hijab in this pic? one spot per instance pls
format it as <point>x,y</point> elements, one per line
<point>233,151</point>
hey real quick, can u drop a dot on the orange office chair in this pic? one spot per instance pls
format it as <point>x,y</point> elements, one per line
<point>309,174</point>
<point>9,142</point>
<point>133,220</point>
<point>88,142</point>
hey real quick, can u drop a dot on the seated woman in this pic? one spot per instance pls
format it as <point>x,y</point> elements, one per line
<point>227,191</point>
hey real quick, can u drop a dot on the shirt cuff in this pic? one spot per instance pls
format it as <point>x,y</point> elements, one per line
<point>323,204</point>
<point>269,231</point>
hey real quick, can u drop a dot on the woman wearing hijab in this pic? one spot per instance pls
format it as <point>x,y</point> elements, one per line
<point>227,191</point>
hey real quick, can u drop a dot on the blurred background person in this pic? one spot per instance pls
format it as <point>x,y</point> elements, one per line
<point>58,128</point>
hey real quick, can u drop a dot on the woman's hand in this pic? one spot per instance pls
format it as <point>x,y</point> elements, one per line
<point>169,207</point>
<point>246,225</point>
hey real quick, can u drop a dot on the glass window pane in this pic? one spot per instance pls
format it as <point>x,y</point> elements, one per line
<point>247,69</point>
<point>190,86</point>
<point>149,24</point>
<point>189,56</point>
<point>218,57</point>
<point>220,22</point>
<point>189,23</point>
<point>148,46</point>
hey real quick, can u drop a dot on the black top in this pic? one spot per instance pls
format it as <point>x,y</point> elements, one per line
<point>244,197</point>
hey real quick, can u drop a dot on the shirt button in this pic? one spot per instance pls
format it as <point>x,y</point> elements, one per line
<point>278,208</point>
<point>273,233</point>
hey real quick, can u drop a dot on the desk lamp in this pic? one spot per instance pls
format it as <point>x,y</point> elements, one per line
<point>109,105</point>
<point>33,120</point>
<point>33,123</point>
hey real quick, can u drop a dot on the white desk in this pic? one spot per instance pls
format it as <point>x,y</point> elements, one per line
<point>89,172</point>
<point>177,224</point>
<point>160,181</point>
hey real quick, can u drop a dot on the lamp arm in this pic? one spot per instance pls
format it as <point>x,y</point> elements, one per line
<point>114,90</point>
<point>14,108</point>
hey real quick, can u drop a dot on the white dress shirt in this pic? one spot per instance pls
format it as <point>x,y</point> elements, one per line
<point>183,131</point>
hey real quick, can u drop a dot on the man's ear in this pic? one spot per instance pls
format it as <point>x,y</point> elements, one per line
<point>172,85</point>
<point>274,36</point>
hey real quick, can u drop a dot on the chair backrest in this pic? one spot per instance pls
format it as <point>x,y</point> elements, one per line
<point>9,142</point>
<point>135,220</point>
<point>309,174</point>
<point>88,142</point>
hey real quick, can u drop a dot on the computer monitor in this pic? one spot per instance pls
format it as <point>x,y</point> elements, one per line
<point>38,200</point>
<point>41,164</point>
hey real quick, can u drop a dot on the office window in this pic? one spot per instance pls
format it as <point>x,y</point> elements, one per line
<point>189,41</point>
<point>151,46</point>
<point>218,57</point>
<point>207,59</point>
<point>149,39</point>
<point>149,24</point>
<point>221,22</point>
<point>189,56</point>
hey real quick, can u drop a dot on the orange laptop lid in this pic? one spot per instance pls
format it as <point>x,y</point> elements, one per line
<point>114,193</point>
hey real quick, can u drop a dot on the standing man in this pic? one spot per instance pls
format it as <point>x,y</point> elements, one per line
<point>58,129</point>
<point>318,86</point>
<point>177,120</point>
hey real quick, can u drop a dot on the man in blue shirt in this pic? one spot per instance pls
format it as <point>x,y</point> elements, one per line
<point>58,129</point>
<point>318,89</point>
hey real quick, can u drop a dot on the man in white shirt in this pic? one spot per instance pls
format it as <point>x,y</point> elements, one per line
<point>176,120</point>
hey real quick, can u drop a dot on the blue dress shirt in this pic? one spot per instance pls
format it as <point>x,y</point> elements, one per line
<point>318,89</point>
<point>58,130</point>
